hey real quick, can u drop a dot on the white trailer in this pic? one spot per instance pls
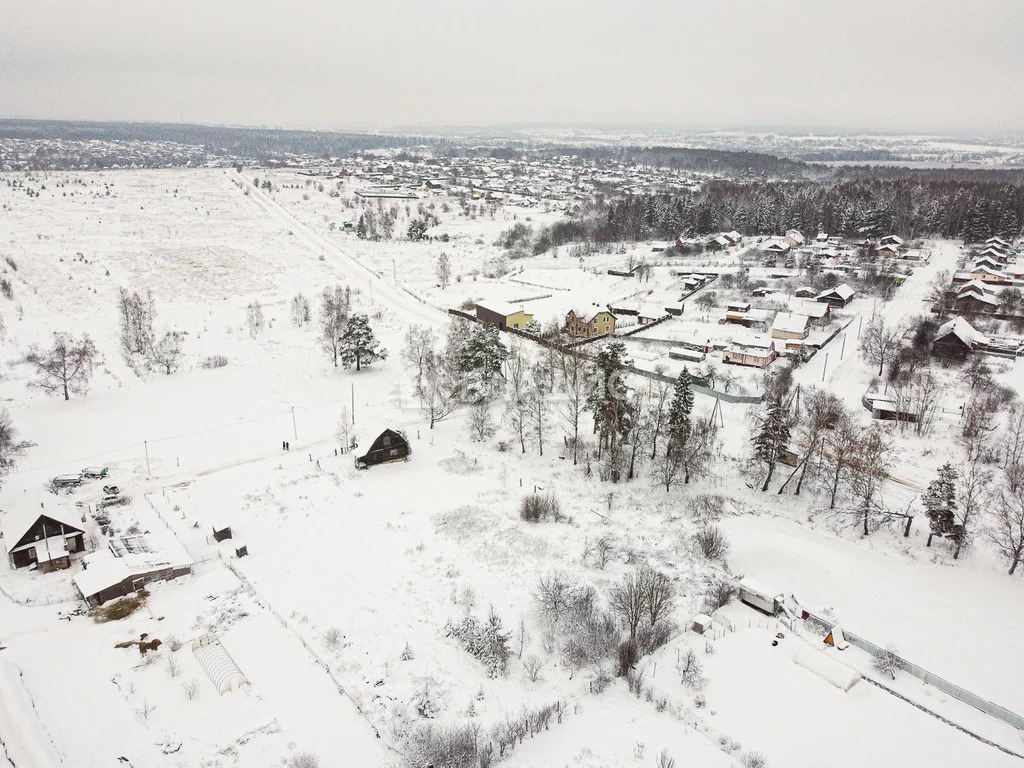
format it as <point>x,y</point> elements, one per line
<point>757,597</point>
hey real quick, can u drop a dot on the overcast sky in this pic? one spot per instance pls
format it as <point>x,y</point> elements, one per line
<point>875,64</point>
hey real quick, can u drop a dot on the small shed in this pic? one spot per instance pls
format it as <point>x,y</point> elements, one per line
<point>702,623</point>
<point>839,296</point>
<point>221,531</point>
<point>241,549</point>
<point>388,446</point>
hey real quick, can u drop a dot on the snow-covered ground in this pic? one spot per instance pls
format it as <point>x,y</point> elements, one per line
<point>348,569</point>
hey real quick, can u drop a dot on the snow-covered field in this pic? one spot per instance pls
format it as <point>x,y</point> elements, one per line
<point>337,616</point>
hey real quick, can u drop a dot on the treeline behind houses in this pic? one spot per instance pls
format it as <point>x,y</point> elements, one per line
<point>973,210</point>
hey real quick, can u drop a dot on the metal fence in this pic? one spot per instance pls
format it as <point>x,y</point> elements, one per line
<point>961,694</point>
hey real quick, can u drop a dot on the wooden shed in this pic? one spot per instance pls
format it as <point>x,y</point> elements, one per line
<point>388,446</point>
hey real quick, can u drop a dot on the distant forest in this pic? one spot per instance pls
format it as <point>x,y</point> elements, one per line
<point>909,207</point>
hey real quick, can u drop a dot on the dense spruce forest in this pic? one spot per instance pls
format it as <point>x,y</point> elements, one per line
<point>973,210</point>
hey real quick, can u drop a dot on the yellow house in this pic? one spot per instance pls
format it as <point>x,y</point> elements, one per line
<point>584,325</point>
<point>503,315</point>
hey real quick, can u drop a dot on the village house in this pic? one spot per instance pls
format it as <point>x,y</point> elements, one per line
<point>887,251</point>
<point>128,565</point>
<point>957,339</point>
<point>502,314</point>
<point>775,247</point>
<point>788,325</point>
<point>794,237</point>
<point>974,296</point>
<point>805,292</point>
<point>45,540</point>
<point>894,240</point>
<point>817,312</point>
<point>718,243</point>
<point>585,324</point>
<point>757,353</point>
<point>839,296</point>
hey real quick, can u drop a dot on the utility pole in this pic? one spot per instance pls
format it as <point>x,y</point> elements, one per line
<point>295,429</point>
<point>825,368</point>
<point>146,446</point>
<point>842,352</point>
<point>353,403</point>
<point>394,272</point>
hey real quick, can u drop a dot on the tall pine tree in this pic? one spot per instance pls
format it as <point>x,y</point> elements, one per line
<point>358,344</point>
<point>679,411</point>
<point>772,436</point>
<point>940,502</point>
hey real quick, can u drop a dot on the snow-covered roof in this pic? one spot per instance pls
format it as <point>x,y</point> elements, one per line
<point>103,570</point>
<point>790,322</point>
<point>815,309</point>
<point>502,308</point>
<point>962,330</point>
<point>17,522</point>
<point>734,236</point>
<point>843,291</point>
<point>974,286</point>
<point>981,268</point>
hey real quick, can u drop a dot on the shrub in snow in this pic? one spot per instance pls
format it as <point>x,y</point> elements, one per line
<point>484,640</point>
<point>535,508</point>
<point>887,662</point>
<point>304,760</point>
<point>753,760</point>
<point>691,672</point>
<point>720,593</point>
<point>665,760</point>
<point>407,654</point>
<point>190,689</point>
<point>332,638</point>
<point>424,703</point>
<point>711,543</point>
<point>215,361</point>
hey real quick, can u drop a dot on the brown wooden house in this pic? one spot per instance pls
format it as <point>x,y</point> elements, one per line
<point>46,542</point>
<point>389,446</point>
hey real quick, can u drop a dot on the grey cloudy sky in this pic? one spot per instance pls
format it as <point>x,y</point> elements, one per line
<point>876,64</point>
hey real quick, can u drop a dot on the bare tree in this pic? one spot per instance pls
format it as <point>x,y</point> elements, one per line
<point>254,318</point>
<point>840,451</point>
<point>334,307</point>
<point>555,593</point>
<point>872,459</point>
<point>66,367</point>
<point>822,413</point>
<point>668,466</point>
<point>533,665</point>
<point>628,600</point>
<point>657,410</point>
<point>481,427</point>
<point>537,406</point>
<point>1007,529</point>
<point>444,271</point>
<point>301,313</point>
<point>973,494</point>
<point>691,671</point>
<point>439,389</point>
<point>574,381</point>
<point>659,594</point>
<point>190,688</point>
<point>419,341</point>
<point>135,315</point>
<point>880,341</point>
<point>1012,441</point>
<point>166,353</point>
